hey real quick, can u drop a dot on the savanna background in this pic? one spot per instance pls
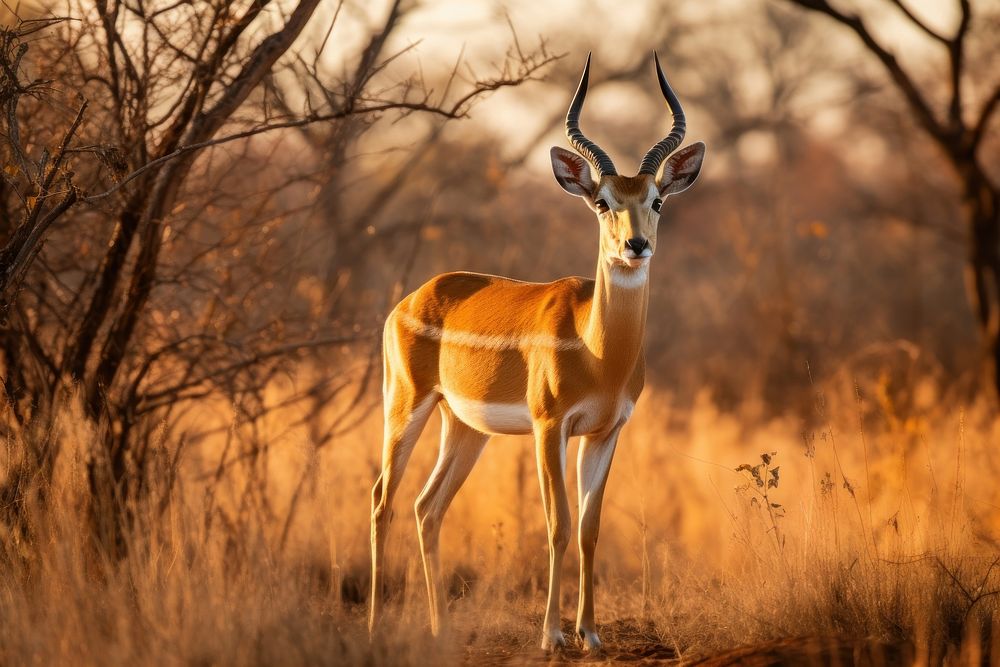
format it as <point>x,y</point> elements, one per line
<point>207,208</point>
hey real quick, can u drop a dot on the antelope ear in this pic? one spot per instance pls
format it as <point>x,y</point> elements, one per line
<point>572,172</point>
<point>681,170</point>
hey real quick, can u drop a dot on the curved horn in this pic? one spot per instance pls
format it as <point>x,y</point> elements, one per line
<point>582,144</point>
<point>659,152</point>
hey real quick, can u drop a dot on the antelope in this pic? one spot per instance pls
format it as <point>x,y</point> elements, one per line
<point>555,360</point>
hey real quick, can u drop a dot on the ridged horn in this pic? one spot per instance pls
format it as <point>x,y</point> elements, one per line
<point>587,148</point>
<point>659,152</point>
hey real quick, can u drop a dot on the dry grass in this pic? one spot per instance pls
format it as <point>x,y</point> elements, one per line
<point>885,535</point>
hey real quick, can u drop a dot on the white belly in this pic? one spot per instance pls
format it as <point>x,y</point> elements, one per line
<point>494,418</point>
<point>586,417</point>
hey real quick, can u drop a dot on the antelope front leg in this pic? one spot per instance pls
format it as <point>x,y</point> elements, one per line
<point>593,464</point>
<point>550,448</point>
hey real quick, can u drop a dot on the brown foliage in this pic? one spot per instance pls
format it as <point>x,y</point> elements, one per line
<point>115,200</point>
<point>203,222</point>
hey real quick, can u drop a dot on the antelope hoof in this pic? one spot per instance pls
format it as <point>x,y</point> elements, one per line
<point>591,643</point>
<point>439,630</point>
<point>553,640</point>
<point>374,629</point>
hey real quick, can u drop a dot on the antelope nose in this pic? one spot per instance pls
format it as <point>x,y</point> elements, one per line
<point>637,245</point>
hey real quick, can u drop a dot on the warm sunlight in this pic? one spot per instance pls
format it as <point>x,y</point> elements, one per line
<point>692,364</point>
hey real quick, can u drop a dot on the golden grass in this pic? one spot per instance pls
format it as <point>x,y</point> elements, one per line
<point>885,532</point>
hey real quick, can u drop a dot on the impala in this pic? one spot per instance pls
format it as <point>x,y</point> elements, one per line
<point>556,360</point>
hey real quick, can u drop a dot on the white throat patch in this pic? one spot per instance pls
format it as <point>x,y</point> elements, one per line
<point>629,278</point>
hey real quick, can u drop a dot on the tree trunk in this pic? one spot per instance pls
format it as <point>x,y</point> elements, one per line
<point>983,214</point>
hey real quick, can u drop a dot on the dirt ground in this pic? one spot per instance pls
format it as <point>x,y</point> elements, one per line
<point>626,641</point>
<point>636,643</point>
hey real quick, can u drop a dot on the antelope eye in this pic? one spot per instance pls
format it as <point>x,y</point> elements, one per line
<point>602,206</point>
<point>657,203</point>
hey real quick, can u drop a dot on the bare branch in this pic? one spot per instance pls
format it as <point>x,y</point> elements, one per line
<point>902,80</point>
<point>263,58</point>
<point>26,242</point>
<point>920,24</point>
<point>15,272</point>
<point>956,57</point>
<point>984,118</point>
<point>270,127</point>
<point>153,400</point>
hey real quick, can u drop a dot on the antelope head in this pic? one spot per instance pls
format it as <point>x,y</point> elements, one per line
<point>628,208</point>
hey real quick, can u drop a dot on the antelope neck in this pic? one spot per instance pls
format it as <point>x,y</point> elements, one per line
<point>617,320</point>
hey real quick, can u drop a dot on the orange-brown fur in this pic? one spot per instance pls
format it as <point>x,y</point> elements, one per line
<point>557,380</point>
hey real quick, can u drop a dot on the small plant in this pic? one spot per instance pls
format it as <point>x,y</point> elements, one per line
<point>760,479</point>
<point>826,484</point>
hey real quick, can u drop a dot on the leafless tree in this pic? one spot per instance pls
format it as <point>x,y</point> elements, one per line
<point>960,137</point>
<point>118,204</point>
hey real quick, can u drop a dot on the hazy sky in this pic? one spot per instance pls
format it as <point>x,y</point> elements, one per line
<point>437,33</point>
<point>614,32</point>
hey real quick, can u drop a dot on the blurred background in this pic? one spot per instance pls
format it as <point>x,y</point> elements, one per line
<point>831,233</point>
<point>207,210</point>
